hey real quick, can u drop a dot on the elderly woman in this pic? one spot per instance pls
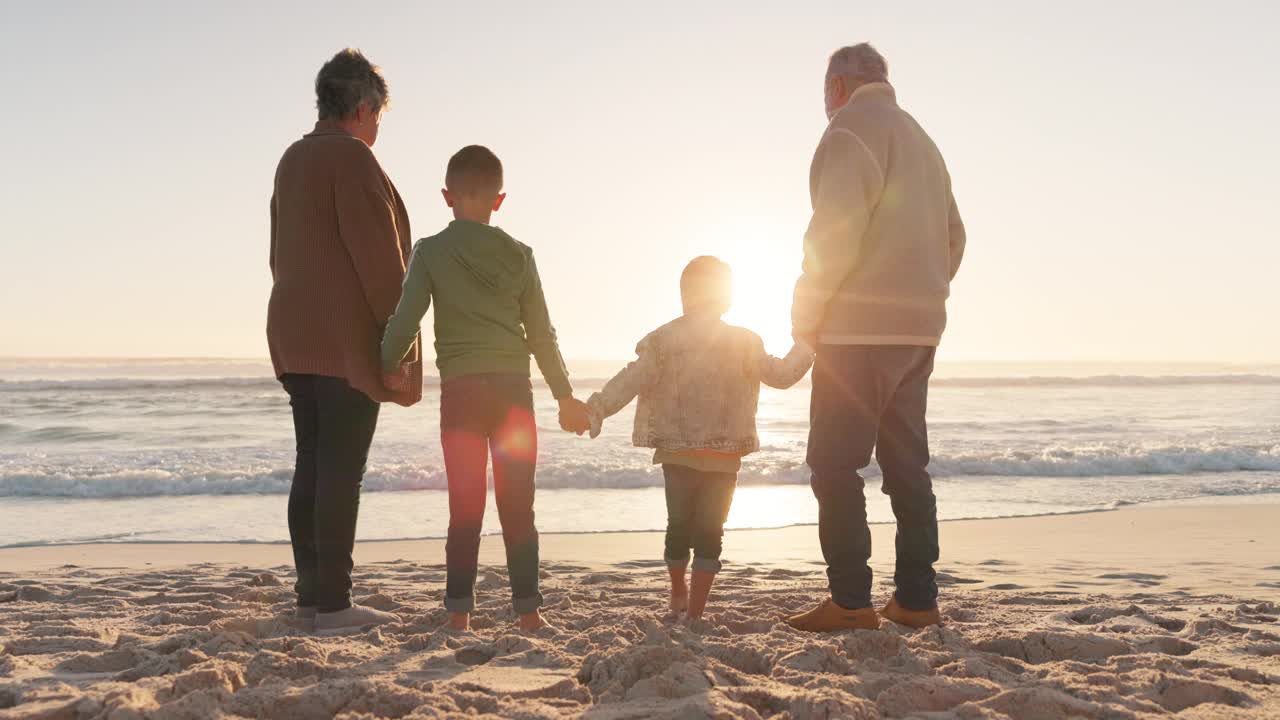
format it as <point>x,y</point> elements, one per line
<point>339,243</point>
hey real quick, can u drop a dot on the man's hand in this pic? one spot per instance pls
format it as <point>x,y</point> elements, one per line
<point>574,416</point>
<point>397,381</point>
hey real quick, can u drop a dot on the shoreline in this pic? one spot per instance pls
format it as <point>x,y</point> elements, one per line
<point>489,531</point>
<point>1264,498</point>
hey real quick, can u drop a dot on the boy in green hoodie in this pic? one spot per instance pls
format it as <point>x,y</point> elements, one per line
<point>490,315</point>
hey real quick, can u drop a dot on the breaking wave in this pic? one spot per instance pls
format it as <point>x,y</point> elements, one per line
<point>1096,461</point>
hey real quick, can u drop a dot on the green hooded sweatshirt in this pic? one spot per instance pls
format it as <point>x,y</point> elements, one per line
<point>490,311</point>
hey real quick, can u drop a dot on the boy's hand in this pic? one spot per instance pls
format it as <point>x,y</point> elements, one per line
<point>574,416</point>
<point>397,381</point>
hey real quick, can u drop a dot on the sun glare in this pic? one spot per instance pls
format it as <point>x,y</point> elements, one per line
<point>766,263</point>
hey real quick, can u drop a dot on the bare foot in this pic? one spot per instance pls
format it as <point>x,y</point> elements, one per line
<point>532,621</point>
<point>695,624</point>
<point>459,621</point>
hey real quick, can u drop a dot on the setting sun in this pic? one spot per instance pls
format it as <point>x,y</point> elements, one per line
<point>765,258</point>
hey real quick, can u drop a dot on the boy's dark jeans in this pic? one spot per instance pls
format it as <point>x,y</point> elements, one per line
<point>865,397</point>
<point>482,415</point>
<point>697,507</point>
<point>334,425</point>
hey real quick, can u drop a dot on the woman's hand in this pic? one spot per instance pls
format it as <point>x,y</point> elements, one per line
<point>398,380</point>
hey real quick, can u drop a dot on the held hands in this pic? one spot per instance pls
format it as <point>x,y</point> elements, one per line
<point>574,416</point>
<point>397,381</point>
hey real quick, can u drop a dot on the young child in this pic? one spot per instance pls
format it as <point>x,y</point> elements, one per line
<point>698,380</point>
<point>490,314</point>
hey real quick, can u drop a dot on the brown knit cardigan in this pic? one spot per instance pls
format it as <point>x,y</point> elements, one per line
<point>339,243</point>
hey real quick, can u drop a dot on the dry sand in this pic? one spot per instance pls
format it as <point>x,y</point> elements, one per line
<point>1150,612</point>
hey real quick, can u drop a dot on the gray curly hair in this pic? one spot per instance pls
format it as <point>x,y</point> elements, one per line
<point>346,81</point>
<point>859,65</point>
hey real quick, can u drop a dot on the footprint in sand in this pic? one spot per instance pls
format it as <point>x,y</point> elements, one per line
<point>1046,646</point>
<point>1166,645</point>
<point>33,593</point>
<point>1097,614</point>
<point>603,578</point>
<point>1260,613</point>
<point>113,661</point>
<point>474,655</point>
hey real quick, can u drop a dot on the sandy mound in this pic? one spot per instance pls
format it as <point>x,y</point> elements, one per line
<point>213,641</point>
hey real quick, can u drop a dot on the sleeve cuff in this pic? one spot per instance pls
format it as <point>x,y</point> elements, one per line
<point>802,346</point>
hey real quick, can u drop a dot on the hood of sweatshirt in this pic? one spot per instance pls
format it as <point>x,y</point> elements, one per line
<point>495,259</point>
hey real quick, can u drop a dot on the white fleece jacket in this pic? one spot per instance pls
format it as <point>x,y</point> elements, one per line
<point>886,238</point>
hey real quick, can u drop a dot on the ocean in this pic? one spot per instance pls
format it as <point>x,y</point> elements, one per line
<point>201,451</point>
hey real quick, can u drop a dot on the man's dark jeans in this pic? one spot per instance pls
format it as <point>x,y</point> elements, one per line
<point>482,415</point>
<point>869,397</point>
<point>334,425</point>
<point>697,506</point>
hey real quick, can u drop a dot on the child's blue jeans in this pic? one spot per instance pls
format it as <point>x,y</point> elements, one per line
<point>697,507</point>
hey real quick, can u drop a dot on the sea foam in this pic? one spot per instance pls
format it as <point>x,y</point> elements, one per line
<point>226,478</point>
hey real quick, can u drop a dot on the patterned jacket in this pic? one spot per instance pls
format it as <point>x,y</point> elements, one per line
<point>698,380</point>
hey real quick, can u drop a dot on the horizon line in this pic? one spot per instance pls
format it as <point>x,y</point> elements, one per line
<point>603,359</point>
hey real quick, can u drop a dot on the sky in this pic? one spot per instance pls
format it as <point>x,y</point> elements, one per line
<point>1116,164</point>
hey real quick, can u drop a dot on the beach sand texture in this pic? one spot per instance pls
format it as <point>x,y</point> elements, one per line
<point>175,632</point>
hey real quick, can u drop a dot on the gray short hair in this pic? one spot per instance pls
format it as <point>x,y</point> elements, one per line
<point>346,81</point>
<point>858,65</point>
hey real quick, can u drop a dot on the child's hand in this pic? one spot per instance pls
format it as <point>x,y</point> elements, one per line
<point>597,421</point>
<point>574,416</point>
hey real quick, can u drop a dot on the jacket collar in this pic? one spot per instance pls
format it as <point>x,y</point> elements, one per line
<point>327,127</point>
<point>704,317</point>
<point>868,92</point>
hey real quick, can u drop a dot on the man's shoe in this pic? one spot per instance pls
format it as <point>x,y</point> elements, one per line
<point>911,618</point>
<point>830,617</point>
<point>305,613</point>
<point>353,618</point>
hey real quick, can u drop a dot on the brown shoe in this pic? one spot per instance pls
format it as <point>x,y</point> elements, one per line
<point>911,618</point>
<point>830,617</point>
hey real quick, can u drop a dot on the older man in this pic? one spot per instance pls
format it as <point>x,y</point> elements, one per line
<point>882,247</point>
